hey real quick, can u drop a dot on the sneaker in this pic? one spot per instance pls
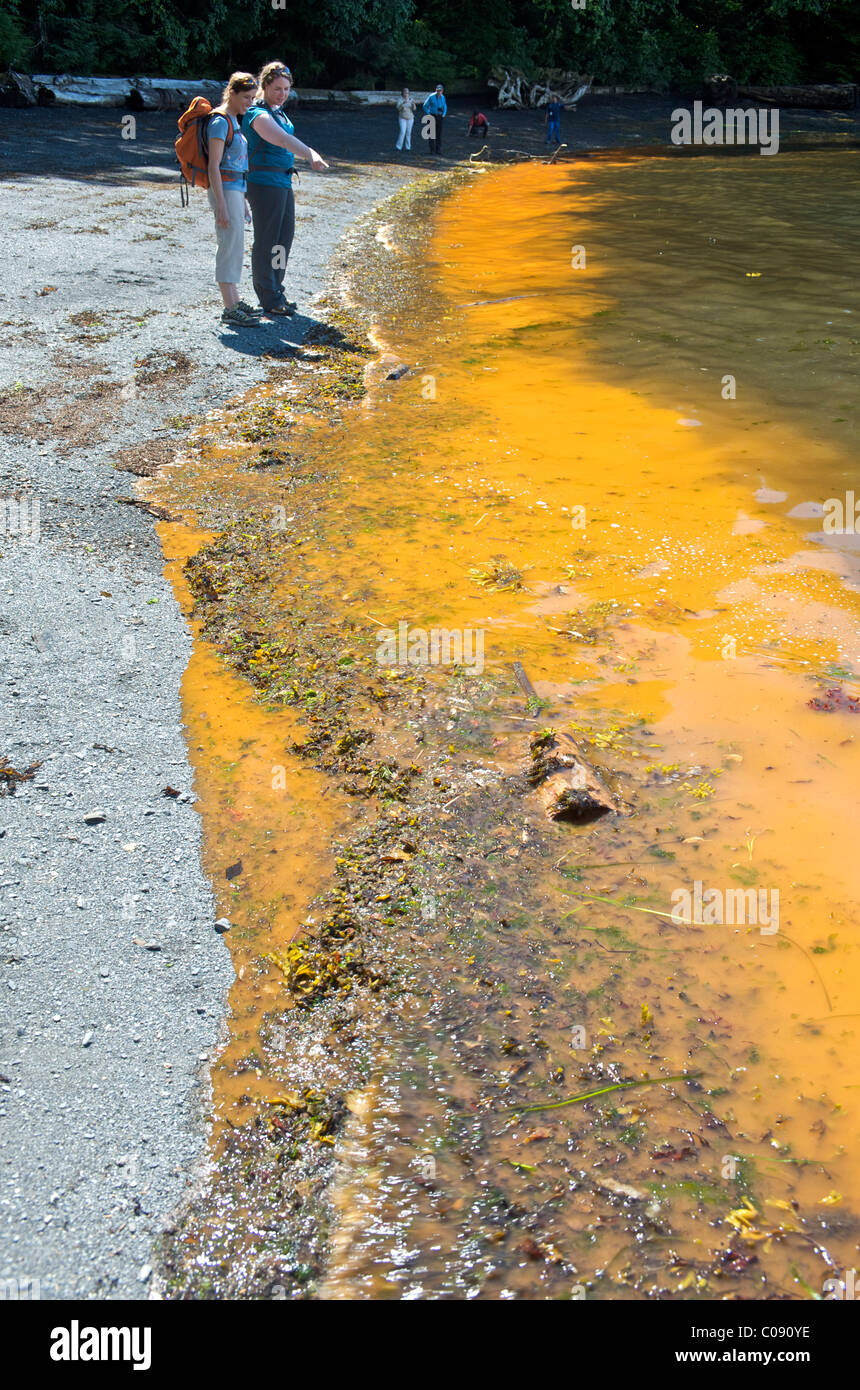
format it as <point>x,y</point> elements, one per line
<point>247,309</point>
<point>237,316</point>
<point>282,310</point>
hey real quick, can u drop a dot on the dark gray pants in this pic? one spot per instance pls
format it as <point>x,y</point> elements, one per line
<point>436,138</point>
<point>274,214</point>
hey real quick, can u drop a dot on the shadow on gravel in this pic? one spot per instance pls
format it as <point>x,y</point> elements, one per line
<point>269,338</point>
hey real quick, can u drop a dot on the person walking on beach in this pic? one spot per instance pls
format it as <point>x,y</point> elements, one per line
<point>405,117</point>
<point>436,107</point>
<point>554,108</point>
<point>228,167</point>
<point>272,147</point>
<point>478,125</point>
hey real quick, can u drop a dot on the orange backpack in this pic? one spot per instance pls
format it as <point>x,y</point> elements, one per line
<point>192,145</point>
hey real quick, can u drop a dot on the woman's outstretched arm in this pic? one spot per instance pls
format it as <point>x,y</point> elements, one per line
<point>270,130</point>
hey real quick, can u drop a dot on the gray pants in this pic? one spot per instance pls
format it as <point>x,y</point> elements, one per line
<point>230,240</point>
<point>274,214</point>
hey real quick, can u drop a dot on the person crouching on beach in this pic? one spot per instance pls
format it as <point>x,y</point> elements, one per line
<point>405,117</point>
<point>228,165</point>
<point>272,147</point>
<point>478,125</point>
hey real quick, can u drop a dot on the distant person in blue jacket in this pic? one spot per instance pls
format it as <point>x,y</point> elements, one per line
<point>554,108</point>
<point>437,107</point>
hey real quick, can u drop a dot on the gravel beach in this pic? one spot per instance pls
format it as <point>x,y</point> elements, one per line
<point>113,979</point>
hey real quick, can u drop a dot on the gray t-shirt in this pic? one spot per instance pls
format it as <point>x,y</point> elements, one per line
<point>234,160</point>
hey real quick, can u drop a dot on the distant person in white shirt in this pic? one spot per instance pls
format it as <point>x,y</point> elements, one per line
<point>405,116</point>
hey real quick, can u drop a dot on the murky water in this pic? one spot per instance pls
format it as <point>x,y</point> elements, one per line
<point>633,384</point>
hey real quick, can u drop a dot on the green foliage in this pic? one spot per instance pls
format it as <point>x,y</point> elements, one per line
<point>658,43</point>
<point>15,44</point>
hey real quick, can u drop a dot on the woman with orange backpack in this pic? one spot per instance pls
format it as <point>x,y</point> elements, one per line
<point>228,170</point>
<point>272,147</point>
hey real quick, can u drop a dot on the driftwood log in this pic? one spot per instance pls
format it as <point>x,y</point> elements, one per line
<point>157,93</point>
<point>569,787</point>
<point>823,96</point>
<point>17,89</point>
<point>567,784</point>
<point>519,91</point>
<point>136,93</point>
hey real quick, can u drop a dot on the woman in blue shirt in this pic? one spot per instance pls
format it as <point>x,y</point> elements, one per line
<point>436,107</point>
<point>272,148</point>
<point>228,167</point>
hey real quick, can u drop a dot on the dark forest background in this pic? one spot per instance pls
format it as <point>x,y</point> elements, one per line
<point>384,43</point>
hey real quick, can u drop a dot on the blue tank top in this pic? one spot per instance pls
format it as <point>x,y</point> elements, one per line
<point>267,163</point>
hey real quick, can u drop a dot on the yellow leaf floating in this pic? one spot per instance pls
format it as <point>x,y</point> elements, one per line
<point>693,1280</point>
<point>753,274</point>
<point>831,1200</point>
<point>743,1218</point>
<point>290,1098</point>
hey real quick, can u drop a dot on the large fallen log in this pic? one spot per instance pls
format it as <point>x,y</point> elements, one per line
<point>388,98</point>
<point>64,89</point>
<point>818,96</point>
<point>158,93</point>
<point>837,96</point>
<point>162,94</point>
<point>136,93</point>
